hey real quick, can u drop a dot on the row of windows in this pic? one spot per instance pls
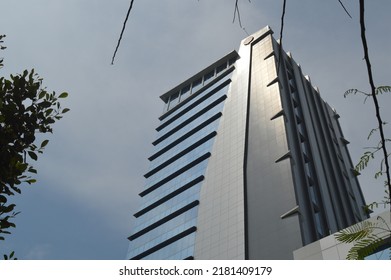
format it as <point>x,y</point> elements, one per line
<point>180,154</point>
<point>165,243</point>
<point>176,183</point>
<point>166,209</point>
<point>185,141</point>
<point>194,107</point>
<point>191,118</point>
<point>163,233</point>
<point>164,221</point>
<point>179,164</point>
<point>193,87</point>
<point>172,195</point>
<point>204,93</point>
<point>190,126</point>
<point>178,250</point>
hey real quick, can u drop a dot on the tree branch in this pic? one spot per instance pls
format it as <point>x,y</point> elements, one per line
<point>281,32</point>
<point>346,11</point>
<point>122,32</point>
<point>236,11</point>
<point>374,96</point>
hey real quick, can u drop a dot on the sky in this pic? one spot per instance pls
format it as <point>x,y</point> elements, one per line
<point>92,169</point>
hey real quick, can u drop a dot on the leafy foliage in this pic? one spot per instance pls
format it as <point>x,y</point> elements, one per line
<point>365,158</point>
<point>383,89</point>
<point>381,146</point>
<point>363,234</point>
<point>365,240</point>
<point>26,108</point>
<point>1,48</point>
<point>10,257</point>
<point>378,90</point>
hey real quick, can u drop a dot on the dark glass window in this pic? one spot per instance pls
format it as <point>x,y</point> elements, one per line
<point>173,100</point>
<point>221,68</point>
<point>231,61</point>
<point>196,85</point>
<point>185,92</point>
<point>209,76</point>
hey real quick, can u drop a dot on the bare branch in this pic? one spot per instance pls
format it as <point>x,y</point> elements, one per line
<point>236,11</point>
<point>122,32</point>
<point>374,96</point>
<point>346,11</point>
<point>281,32</point>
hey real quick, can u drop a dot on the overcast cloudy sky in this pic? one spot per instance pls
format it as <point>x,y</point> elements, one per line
<point>91,171</point>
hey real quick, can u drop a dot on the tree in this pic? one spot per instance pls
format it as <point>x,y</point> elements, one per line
<point>26,109</point>
<point>365,240</point>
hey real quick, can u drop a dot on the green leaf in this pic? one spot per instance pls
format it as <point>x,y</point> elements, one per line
<point>44,143</point>
<point>371,132</point>
<point>63,95</point>
<point>382,89</point>
<point>8,208</point>
<point>33,155</point>
<point>356,232</point>
<point>65,110</point>
<point>31,181</point>
<point>48,111</point>
<point>32,170</point>
<point>21,166</point>
<point>3,199</point>
<point>350,91</point>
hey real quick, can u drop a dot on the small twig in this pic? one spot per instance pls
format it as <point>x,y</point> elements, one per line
<point>346,11</point>
<point>236,11</point>
<point>281,32</point>
<point>122,32</point>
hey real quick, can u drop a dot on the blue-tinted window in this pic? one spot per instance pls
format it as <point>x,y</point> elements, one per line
<point>185,92</point>
<point>208,76</point>
<point>196,85</point>
<point>174,99</point>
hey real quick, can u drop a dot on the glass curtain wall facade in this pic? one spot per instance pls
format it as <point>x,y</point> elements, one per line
<point>167,219</point>
<point>247,156</point>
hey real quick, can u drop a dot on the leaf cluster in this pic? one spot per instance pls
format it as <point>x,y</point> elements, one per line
<point>6,213</point>
<point>370,154</point>
<point>1,48</point>
<point>378,90</point>
<point>365,240</point>
<point>26,108</point>
<point>10,257</point>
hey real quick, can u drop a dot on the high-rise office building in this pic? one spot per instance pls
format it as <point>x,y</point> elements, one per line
<point>249,163</point>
